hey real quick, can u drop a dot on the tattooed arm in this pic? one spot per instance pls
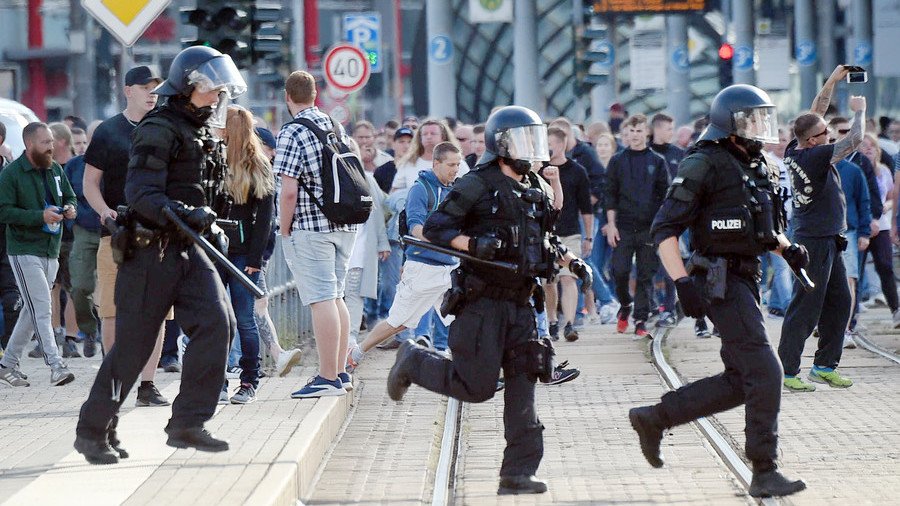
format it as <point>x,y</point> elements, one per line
<point>823,99</point>
<point>848,144</point>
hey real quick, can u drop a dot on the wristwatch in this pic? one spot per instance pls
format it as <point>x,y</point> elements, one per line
<point>588,238</point>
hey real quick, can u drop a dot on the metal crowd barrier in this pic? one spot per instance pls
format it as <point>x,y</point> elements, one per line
<point>293,321</point>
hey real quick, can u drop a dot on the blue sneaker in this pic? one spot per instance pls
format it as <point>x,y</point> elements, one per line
<point>346,381</point>
<point>320,387</point>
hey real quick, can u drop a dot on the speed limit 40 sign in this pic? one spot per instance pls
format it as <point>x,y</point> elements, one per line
<point>346,68</point>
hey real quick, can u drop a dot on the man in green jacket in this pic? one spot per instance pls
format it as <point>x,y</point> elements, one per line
<point>35,196</point>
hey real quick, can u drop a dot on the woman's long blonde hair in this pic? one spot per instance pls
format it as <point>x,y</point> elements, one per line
<point>248,168</point>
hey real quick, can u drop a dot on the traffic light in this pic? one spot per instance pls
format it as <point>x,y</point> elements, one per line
<point>594,53</point>
<point>244,29</point>
<point>726,72</point>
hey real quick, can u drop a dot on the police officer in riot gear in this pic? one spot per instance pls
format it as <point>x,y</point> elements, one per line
<point>727,194</point>
<point>161,268</point>
<point>499,212</point>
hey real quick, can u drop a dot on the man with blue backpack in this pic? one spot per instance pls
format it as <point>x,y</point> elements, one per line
<point>426,274</point>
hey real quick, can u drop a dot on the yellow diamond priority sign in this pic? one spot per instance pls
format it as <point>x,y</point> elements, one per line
<point>125,19</point>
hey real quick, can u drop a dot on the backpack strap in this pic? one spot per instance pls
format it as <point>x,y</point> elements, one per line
<point>322,136</point>
<point>432,194</point>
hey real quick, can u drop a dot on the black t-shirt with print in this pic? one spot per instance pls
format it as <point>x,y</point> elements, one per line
<point>820,208</point>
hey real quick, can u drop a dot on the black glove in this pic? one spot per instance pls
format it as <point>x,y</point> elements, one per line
<point>796,256</point>
<point>690,297</point>
<point>584,273</point>
<point>485,247</point>
<point>198,218</point>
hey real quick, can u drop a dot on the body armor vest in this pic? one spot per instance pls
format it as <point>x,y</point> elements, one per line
<point>519,215</point>
<point>185,179</point>
<point>740,214</point>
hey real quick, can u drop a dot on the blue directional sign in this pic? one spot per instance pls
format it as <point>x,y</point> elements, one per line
<point>743,58</point>
<point>680,60</point>
<point>862,53</point>
<point>440,50</point>
<point>806,53</point>
<point>363,30</point>
<point>604,53</point>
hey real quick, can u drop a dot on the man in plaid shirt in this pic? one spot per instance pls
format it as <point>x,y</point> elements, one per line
<point>316,249</point>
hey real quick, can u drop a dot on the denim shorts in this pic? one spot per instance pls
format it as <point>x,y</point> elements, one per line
<point>318,261</point>
<point>851,254</point>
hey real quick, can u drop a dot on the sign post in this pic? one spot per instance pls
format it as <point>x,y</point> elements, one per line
<point>346,68</point>
<point>126,20</point>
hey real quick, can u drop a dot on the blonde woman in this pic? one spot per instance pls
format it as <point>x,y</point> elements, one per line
<point>250,183</point>
<point>420,155</point>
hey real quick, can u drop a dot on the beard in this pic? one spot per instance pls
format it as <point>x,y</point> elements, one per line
<point>41,160</point>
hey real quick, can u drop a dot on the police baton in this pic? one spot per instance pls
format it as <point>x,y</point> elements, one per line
<point>412,241</point>
<point>213,253</point>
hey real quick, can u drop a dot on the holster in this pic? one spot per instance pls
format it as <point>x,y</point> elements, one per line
<point>716,272</point>
<point>455,297</point>
<point>533,358</point>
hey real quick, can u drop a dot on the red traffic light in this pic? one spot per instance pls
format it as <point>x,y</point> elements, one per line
<point>726,51</point>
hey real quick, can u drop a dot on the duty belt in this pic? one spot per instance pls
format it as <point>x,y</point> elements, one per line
<point>477,288</point>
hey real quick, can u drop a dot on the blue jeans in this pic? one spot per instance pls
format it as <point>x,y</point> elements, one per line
<point>599,258</point>
<point>242,303</point>
<point>388,278</point>
<point>782,283</point>
<point>431,325</point>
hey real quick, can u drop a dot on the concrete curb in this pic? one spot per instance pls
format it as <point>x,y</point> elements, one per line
<point>291,474</point>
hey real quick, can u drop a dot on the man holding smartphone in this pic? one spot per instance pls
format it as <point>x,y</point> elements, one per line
<point>35,196</point>
<point>819,222</point>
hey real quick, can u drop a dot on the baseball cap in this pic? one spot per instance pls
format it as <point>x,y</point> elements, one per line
<point>265,135</point>
<point>140,76</point>
<point>400,132</point>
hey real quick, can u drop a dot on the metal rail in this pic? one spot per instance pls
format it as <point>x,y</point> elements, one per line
<point>874,348</point>
<point>449,441</point>
<point>721,445</point>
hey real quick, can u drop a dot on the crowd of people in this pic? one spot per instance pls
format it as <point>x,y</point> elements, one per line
<point>367,287</point>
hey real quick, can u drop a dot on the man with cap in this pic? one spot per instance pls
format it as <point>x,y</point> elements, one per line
<point>106,164</point>
<point>171,157</point>
<point>385,173</point>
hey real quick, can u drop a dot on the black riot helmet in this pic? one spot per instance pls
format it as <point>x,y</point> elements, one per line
<point>204,67</point>
<point>743,111</point>
<point>517,134</point>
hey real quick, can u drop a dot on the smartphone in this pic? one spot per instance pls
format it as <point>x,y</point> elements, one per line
<point>858,77</point>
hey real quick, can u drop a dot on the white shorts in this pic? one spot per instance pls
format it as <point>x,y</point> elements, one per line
<point>421,287</point>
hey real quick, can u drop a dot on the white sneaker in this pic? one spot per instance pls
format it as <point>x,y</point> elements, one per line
<point>286,361</point>
<point>608,312</point>
<point>849,342</point>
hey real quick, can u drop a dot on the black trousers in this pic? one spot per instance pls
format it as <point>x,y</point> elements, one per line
<point>146,288</point>
<point>637,246</point>
<point>10,299</point>
<point>484,329</point>
<point>827,306</point>
<point>752,374</point>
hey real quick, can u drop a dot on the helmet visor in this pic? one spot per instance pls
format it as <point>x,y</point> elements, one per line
<point>219,73</point>
<point>525,143</point>
<point>757,123</point>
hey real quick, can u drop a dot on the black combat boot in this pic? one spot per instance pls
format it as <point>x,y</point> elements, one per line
<point>771,483</point>
<point>113,437</point>
<point>521,484</point>
<point>195,437</point>
<point>95,451</point>
<point>647,423</point>
<point>398,380</point>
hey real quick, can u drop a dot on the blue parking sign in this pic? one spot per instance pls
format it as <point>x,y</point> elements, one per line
<point>363,30</point>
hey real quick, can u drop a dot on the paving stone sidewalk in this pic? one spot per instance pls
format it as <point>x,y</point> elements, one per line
<point>845,443</point>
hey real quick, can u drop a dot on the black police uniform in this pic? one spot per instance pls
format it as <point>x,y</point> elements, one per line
<point>726,198</point>
<point>166,167</point>
<point>496,322</point>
